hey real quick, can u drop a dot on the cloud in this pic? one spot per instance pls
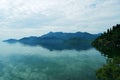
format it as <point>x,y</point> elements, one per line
<point>42,16</point>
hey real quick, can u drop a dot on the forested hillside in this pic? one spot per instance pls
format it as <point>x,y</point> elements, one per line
<point>110,38</point>
<point>109,45</point>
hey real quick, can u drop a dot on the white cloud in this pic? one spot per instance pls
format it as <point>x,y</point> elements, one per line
<point>42,16</point>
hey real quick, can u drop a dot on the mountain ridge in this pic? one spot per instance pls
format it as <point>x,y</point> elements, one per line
<point>59,40</point>
<point>57,35</point>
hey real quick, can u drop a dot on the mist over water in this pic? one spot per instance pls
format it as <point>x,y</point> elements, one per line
<point>24,62</point>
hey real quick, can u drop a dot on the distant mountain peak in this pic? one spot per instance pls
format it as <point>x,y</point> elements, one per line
<point>58,40</point>
<point>59,35</point>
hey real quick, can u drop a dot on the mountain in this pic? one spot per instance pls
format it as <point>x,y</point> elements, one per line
<point>59,40</point>
<point>61,35</point>
<point>56,36</point>
<point>11,40</point>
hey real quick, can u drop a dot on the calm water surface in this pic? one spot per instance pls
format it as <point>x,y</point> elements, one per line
<point>21,62</point>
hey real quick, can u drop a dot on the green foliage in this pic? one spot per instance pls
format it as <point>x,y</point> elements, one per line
<point>109,45</point>
<point>109,42</point>
<point>110,71</point>
<point>110,38</point>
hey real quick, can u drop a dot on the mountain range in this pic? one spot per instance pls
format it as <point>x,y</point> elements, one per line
<point>59,40</point>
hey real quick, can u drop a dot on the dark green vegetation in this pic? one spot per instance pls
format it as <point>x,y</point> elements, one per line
<point>59,40</point>
<point>110,71</point>
<point>109,45</point>
<point>110,38</point>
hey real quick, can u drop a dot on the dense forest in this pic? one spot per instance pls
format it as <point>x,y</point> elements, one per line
<point>109,45</point>
<point>109,38</point>
<point>109,42</point>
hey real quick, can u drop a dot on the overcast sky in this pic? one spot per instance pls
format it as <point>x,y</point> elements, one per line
<point>19,18</point>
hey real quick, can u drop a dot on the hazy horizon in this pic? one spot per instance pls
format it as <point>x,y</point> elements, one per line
<point>37,17</point>
<point>40,35</point>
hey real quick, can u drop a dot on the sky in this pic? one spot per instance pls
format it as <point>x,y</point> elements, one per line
<point>19,18</point>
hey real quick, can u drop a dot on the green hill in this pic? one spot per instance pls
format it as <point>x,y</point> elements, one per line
<point>109,42</point>
<point>109,45</point>
<point>110,38</point>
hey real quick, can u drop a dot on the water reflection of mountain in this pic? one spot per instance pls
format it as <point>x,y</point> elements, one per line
<point>59,41</point>
<point>62,46</point>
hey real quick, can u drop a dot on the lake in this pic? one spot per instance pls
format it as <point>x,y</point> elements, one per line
<point>24,62</point>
